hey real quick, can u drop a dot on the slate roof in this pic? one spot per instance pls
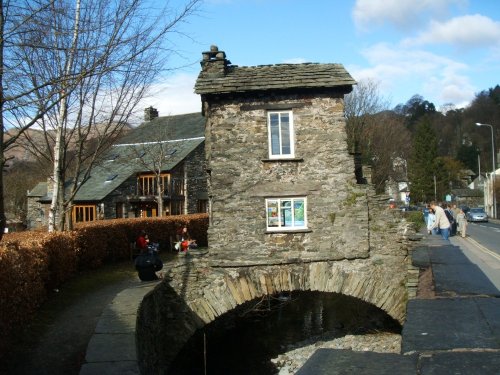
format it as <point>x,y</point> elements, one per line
<point>274,77</point>
<point>181,134</point>
<point>189,125</point>
<point>39,190</point>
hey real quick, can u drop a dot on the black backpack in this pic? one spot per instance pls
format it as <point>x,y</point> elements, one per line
<point>449,216</point>
<point>147,265</point>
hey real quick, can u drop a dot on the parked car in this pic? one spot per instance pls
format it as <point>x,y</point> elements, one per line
<point>476,214</point>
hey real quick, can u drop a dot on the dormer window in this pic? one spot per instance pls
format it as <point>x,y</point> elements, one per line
<point>170,153</point>
<point>281,135</point>
<point>113,157</point>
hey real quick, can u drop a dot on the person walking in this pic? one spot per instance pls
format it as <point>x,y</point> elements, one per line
<point>431,219</point>
<point>441,222</point>
<point>462,223</point>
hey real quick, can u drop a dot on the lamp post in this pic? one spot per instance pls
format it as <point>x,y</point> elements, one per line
<point>493,174</point>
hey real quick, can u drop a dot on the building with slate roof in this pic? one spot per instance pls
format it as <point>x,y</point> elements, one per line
<point>281,178</point>
<point>124,184</point>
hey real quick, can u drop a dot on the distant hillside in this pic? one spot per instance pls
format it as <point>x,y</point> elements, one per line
<point>23,150</point>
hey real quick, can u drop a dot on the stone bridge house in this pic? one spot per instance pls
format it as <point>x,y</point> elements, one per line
<point>286,211</point>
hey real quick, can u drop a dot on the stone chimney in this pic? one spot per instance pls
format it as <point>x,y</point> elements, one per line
<point>150,113</point>
<point>214,62</point>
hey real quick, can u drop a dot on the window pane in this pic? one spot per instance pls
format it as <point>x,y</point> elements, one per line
<point>272,213</point>
<point>275,134</point>
<point>298,212</point>
<point>285,134</point>
<point>286,213</point>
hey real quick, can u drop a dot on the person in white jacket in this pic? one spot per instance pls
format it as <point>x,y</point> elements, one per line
<point>441,222</point>
<point>431,218</point>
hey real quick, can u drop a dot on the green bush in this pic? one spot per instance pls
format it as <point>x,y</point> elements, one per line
<point>416,218</point>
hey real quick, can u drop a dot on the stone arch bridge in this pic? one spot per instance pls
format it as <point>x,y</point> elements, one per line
<point>195,292</point>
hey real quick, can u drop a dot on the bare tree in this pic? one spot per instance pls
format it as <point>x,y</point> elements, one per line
<point>15,89</point>
<point>103,56</point>
<point>388,149</point>
<point>360,105</point>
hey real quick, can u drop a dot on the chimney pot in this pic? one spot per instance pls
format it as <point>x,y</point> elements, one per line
<point>214,62</point>
<point>150,113</point>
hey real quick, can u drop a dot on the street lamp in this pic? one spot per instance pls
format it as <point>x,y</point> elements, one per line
<point>493,174</point>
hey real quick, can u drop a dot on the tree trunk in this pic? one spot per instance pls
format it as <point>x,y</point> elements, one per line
<point>58,189</point>
<point>159,196</point>
<point>3,219</point>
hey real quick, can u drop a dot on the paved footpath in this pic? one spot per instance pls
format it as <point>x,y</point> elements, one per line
<point>458,332</point>
<point>111,350</point>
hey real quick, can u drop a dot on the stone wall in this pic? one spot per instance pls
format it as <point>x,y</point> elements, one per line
<point>242,176</point>
<point>196,172</point>
<point>194,293</point>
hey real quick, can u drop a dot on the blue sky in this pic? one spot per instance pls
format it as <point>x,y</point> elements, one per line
<point>444,50</point>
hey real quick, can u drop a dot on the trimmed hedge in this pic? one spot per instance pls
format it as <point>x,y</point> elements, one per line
<point>32,263</point>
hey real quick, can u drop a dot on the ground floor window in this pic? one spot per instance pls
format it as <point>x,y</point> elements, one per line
<point>286,213</point>
<point>176,207</point>
<point>83,213</point>
<point>202,205</point>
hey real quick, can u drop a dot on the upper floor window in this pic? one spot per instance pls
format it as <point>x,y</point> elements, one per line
<point>147,184</point>
<point>281,135</point>
<point>286,213</point>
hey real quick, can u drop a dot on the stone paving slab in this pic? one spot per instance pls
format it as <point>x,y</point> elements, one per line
<point>337,362</point>
<point>463,363</point>
<point>462,279</point>
<point>448,254</point>
<point>111,348</point>
<point>490,308</point>
<point>117,323</point>
<point>128,300</point>
<point>110,368</point>
<point>445,324</point>
<point>420,257</point>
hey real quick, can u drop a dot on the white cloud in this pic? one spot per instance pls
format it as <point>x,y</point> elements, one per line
<point>402,14</point>
<point>174,96</point>
<point>466,31</point>
<point>437,78</point>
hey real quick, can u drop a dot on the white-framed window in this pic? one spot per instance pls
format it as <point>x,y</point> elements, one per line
<point>286,213</point>
<point>281,134</point>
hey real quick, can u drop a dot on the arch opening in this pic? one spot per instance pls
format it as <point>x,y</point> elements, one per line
<point>245,339</point>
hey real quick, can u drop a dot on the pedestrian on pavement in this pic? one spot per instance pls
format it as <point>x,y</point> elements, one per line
<point>441,222</point>
<point>452,218</point>
<point>462,223</point>
<point>431,219</point>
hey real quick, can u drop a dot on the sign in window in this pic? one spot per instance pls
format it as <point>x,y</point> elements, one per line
<point>286,213</point>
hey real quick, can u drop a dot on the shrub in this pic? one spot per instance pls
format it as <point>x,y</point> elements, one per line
<point>32,263</point>
<point>416,218</point>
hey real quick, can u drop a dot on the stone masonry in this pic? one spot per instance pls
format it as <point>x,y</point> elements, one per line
<point>352,243</point>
